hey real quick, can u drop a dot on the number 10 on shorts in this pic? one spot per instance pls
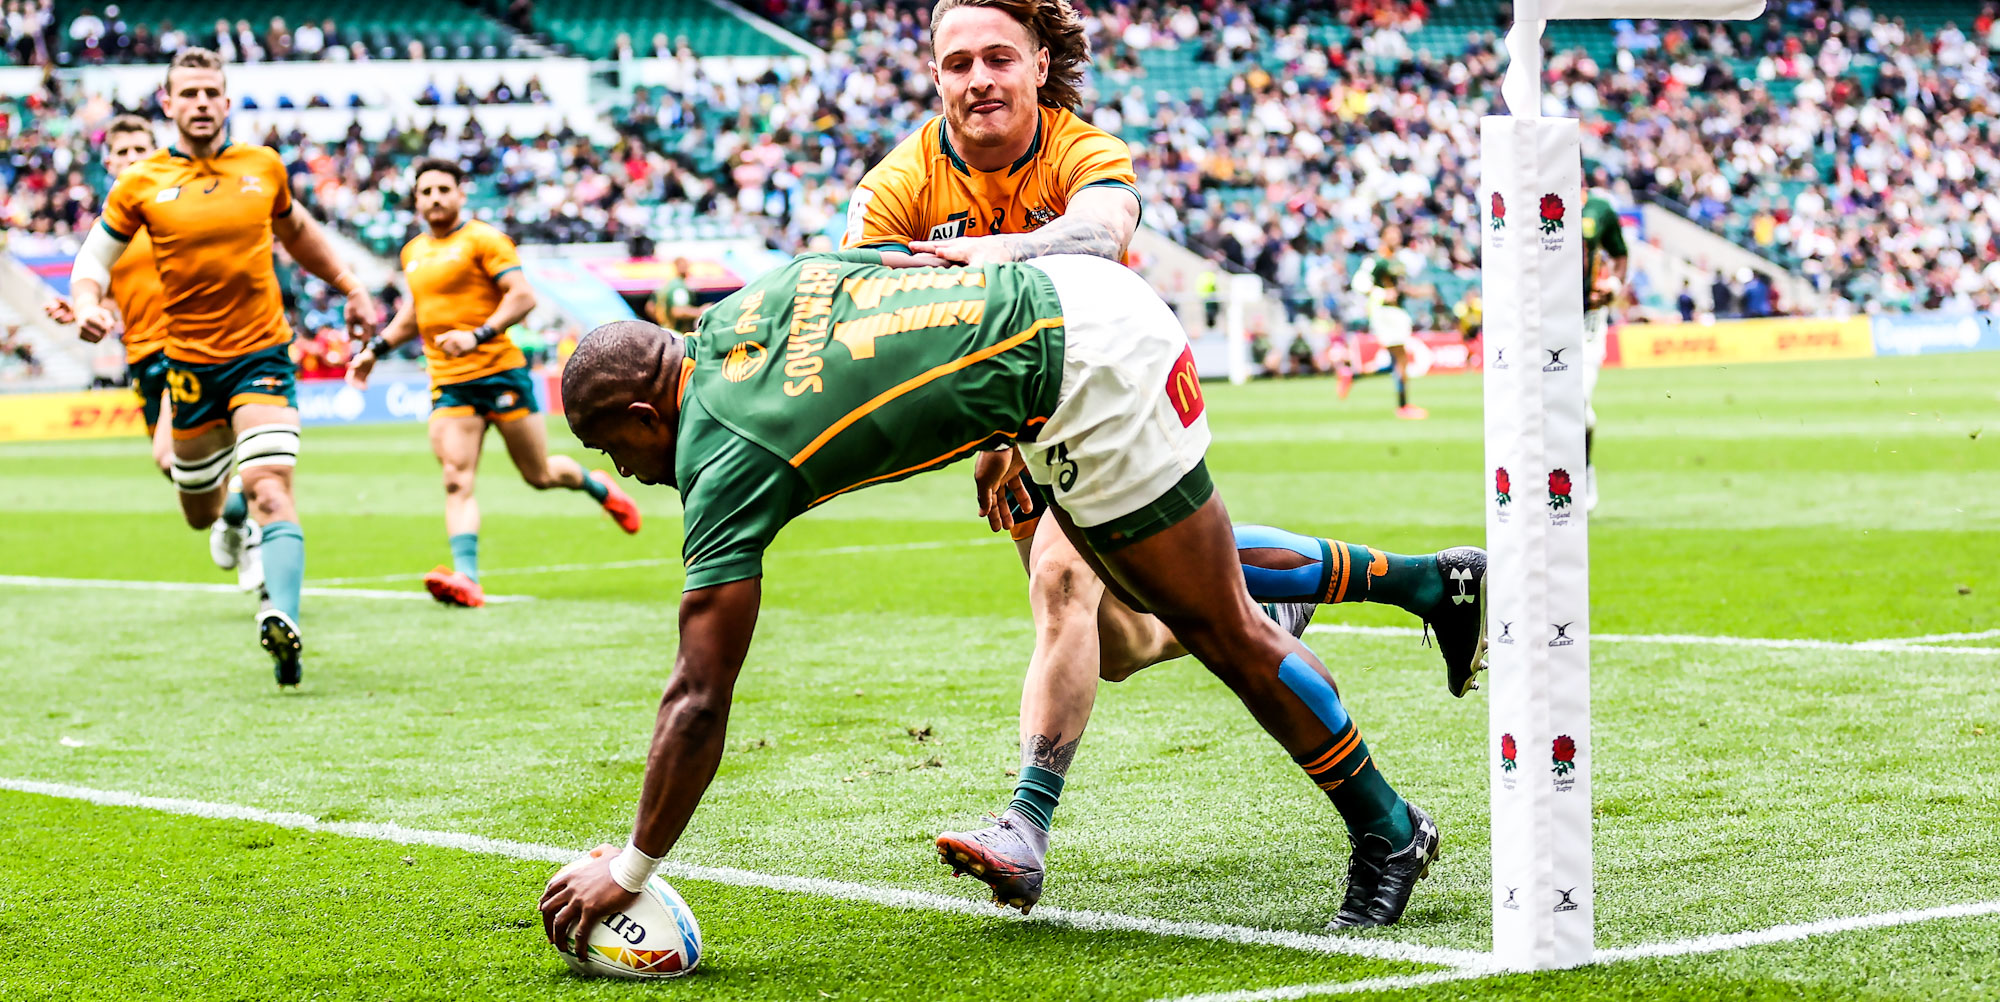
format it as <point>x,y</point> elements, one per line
<point>1184,388</point>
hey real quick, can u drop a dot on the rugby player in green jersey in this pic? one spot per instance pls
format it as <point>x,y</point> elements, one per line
<point>1605,259</point>
<point>840,371</point>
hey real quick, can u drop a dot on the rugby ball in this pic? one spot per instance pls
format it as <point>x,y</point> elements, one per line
<point>654,937</point>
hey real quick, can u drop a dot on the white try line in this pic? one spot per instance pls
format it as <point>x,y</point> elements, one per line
<point>1905,646</point>
<point>619,565</point>
<point>21,581</point>
<point>1790,933</point>
<point>889,897</point>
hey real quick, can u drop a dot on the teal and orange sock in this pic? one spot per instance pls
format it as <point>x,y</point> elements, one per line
<point>1329,571</point>
<point>1342,765</point>
<point>1036,794</point>
<point>465,554</point>
<point>594,487</point>
<point>284,548</point>
<point>235,509</point>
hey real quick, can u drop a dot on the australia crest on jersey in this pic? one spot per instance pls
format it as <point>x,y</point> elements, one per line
<point>1039,215</point>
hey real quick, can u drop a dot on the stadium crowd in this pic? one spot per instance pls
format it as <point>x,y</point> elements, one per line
<point>1846,146</point>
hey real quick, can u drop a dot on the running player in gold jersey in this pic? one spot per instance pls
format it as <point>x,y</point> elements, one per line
<point>466,289</point>
<point>212,209</point>
<point>141,300</point>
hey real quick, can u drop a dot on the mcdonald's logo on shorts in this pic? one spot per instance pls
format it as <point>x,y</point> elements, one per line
<point>1184,388</point>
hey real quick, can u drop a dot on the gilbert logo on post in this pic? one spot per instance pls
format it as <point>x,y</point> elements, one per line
<point>1184,388</point>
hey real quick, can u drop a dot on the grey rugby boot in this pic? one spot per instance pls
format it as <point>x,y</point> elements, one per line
<point>1007,855</point>
<point>1460,617</point>
<point>1379,882</point>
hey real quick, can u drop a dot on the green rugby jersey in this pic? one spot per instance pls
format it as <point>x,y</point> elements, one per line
<point>834,373</point>
<point>1602,231</point>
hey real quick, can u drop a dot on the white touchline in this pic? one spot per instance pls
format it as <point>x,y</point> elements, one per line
<point>892,897</point>
<point>1797,931</point>
<point>20,581</point>
<point>1940,638</point>
<point>1912,645</point>
<point>1385,984</point>
<point>614,565</point>
<point>1790,933</point>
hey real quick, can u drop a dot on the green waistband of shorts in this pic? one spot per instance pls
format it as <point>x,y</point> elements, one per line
<point>1166,511</point>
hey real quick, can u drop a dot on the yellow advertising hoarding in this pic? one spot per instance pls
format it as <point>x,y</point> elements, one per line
<point>34,417</point>
<point>1779,339</point>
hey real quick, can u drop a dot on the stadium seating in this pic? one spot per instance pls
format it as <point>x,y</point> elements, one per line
<point>1240,176</point>
<point>386,28</point>
<point>591,27</point>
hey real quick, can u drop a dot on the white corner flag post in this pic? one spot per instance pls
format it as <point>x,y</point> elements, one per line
<point>1538,585</point>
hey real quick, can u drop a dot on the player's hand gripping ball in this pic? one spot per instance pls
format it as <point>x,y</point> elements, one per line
<point>654,937</point>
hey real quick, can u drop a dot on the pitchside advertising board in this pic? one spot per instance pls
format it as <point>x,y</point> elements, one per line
<point>395,398</point>
<point>1934,333</point>
<point>1780,339</point>
<point>41,417</point>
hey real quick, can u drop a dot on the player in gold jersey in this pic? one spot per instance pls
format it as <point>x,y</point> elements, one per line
<point>212,208</point>
<point>466,289</point>
<point>1009,172</point>
<point>136,289</point>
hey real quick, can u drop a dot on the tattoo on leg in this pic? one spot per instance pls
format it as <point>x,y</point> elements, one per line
<point>1044,752</point>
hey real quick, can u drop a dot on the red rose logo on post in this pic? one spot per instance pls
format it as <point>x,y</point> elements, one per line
<point>1503,487</point>
<point>1507,750</point>
<point>1565,762</point>
<point>1499,211</point>
<point>1552,213</point>
<point>1559,488</point>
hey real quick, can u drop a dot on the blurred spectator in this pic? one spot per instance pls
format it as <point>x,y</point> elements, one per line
<point>309,41</point>
<point>14,346</point>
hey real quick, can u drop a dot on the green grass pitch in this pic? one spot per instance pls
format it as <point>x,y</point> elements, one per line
<point>1739,786</point>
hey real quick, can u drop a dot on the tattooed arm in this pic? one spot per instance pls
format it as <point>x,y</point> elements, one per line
<point>1100,221</point>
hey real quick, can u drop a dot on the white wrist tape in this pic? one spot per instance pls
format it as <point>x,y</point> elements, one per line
<point>631,868</point>
<point>94,259</point>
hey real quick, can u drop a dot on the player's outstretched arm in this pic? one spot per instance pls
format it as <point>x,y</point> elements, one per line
<point>89,276</point>
<point>517,300</point>
<point>402,327</point>
<point>1100,221</point>
<point>716,624</point>
<point>308,245</point>
<point>898,259</point>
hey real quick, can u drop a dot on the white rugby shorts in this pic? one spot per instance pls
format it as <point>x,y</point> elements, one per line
<point>1391,326</point>
<point>1596,325</point>
<point>1130,421</point>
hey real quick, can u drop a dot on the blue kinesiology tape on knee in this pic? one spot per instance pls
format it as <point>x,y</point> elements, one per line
<point>1293,584</point>
<point>1314,690</point>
